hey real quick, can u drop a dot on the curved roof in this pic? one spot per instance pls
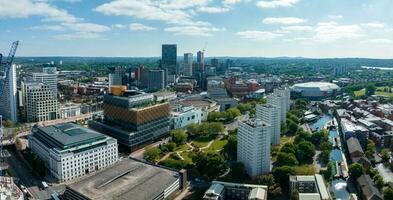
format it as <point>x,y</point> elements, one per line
<point>323,86</point>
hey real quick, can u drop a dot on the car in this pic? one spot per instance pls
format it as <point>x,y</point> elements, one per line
<point>24,189</point>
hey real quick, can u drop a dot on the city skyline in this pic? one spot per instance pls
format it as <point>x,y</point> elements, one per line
<point>239,28</point>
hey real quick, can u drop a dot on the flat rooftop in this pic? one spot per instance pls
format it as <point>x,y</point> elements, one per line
<point>67,135</point>
<point>127,179</point>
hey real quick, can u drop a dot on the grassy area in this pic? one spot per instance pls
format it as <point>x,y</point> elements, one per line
<point>218,144</point>
<point>201,141</point>
<point>384,94</point>
<point>183,147</point>
<point>305,170</point>
<point>283,140</point>
<point>360,93</point>
<point>186,156</point>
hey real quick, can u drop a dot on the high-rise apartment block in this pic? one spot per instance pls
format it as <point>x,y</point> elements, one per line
<point>71,151</point>
<point>39,102</point>
<point>281,102</point>
<point>187,64</point>
<point>271,115</point>
<point>253,146</point>
<point>285,92</point>
<point>8,94</point>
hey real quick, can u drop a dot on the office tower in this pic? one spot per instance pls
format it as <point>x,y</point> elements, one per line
<point>187,64</point>
<point>228,64</point>
<point>280,102</point>
<point>169,58</point>
<point>8,94</point>
<point>214,63</point>
<point>138,72</point>
<point>39,102</point>
<point>153,79</point>
<point>200,57</point>
<point>201,69</point>
<point>253,146</point>
<point>286,93</point>
<point>116,75</point>
<point>133,118</point>
<point>216,88</point>
<point>48,77</point>
<point>271,115</point>
<point>70,151</point>
<point>340,70</point>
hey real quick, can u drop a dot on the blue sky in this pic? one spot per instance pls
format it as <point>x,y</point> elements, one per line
<point>266,28</point>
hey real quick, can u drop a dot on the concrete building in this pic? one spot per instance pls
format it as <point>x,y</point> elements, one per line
<point>285,92</point>
<point>184,116</point>
<point>133,118</point>
<point>49,79</point>
<point>69,110</point>
<point>271,115</point>
<point>9,190</point>
<point>187,64</point>
<point>128,179</point>
<point>8,94</point>
<point>153,79</point>
<point>70,151</point>
<point>206,106</point>
<point>216,88</point>
<point>367,188</point>
<point>224,190</point>
<point>281,102</point>
<point>169,58</point>
<point>39,102</point>
<point>253,146</point>
<point>309,187</point>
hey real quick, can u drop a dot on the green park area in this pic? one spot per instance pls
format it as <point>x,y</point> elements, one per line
<point>381,91</point>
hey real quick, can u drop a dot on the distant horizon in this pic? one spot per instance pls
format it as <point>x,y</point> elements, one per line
<point>227,28</point>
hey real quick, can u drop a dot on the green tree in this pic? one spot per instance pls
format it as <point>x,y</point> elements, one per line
<point>286,159</point>
<point>244,107</point>
<point>388,193</point>
<point>295,195</point>
<point>378,181</point>
<point>231,147</point>
<point>179,136</point>
<point>281,175</point>
<point>210,164</point>
<point>370,149</point>
<point>18,144</point>
<point>238,171</point>
<point>233,113</point>
<point>171,146</point>
<point>302,135</point>
<point>370,89</point>
<point>385,155</point>
<point>152,154</point>
<point>292,126</point>
<point>266,179</point>
<point>305,152</point>
<point>356,170</point>
<point>7,123</point>
<point>288,148</point>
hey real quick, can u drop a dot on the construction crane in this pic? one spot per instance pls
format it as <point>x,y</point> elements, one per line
<point>11,55</point>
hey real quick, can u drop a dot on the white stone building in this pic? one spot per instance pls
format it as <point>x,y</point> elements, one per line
<point>253,146</point>
<point>271,115</point>
<point>185,116</point>
<point>70,151</point>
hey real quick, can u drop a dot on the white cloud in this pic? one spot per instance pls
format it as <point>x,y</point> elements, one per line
<point>331,31</point>
<point>140,27</point>
<point>193,30</point>
<point>297,28</point>
<point>27,8</point>
<point>258,35</point>
<point>283,20</point>
<point>276,3</point>
<point>213,9</point>
<point>373,25</point>
<point>335,16</point>
<point>382,41</point>
<point>77,35</point>
<point>46,27</point>
<point>146,9</point>
<point>120,26</point>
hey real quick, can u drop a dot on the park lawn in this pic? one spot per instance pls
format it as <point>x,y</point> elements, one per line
<point>360,93</point>
<point>305,170</point>
<point>186,156</point>
<point>201,141</point>
<point>183,147</point>
<point>283,140</point>
<point>218,144</point>
<point>384,94</point>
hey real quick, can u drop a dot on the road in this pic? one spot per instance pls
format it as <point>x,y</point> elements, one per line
<point>233,125</point>
<point>24,173</point>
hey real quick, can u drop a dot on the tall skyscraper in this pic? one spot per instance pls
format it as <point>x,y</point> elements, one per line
<point>271,115</point>
<point>200,57</point>
<point>39,102</point>
<point>214,63</point>
<point>187,64</point>
<point>116,75</point>
<point>169,58</point>
<point>286,93</point>
<point>8,94</point>
<point>253,146</point>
